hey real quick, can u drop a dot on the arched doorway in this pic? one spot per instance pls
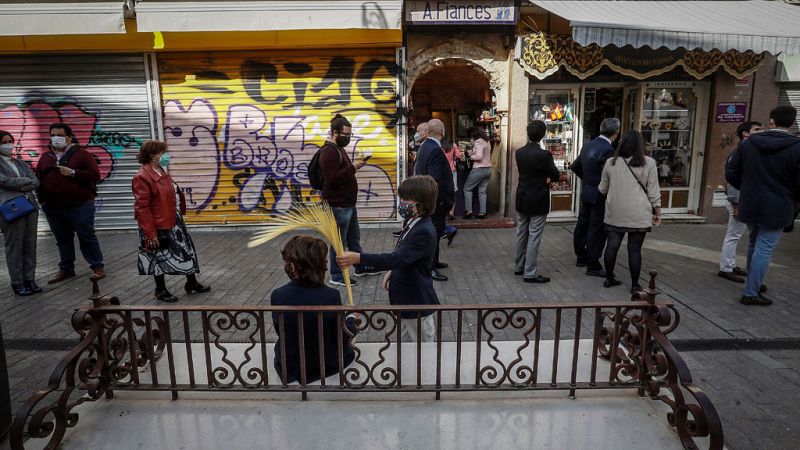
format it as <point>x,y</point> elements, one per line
<point>458,94</point>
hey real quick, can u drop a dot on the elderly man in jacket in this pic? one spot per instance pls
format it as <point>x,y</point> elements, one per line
<point>536,170</point>
<point>766,169</point>
<point>589,237</point>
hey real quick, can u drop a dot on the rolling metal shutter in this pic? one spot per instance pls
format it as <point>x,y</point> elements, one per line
<point>243,126</point>
<point>104,98</point>
<point>790,96</point>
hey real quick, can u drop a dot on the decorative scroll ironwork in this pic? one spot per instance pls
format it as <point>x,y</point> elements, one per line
<point>116,342</point>
<point>542,54</point>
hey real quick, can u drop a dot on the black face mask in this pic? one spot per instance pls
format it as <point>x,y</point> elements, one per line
<point>342,141</point>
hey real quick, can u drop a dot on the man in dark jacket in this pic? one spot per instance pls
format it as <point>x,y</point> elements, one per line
<point>340,190</point>
<point>766,169</point>
<point>589,237</point>
<point>536,171</point>
<point>431,161</point>
<point>68,176</point>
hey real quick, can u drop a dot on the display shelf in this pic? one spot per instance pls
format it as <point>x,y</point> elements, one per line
<point>682,111</point>
<point>665,131</point>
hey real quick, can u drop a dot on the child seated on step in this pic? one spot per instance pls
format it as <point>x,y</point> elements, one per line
<point>305,262</point>
<point>408,279</point>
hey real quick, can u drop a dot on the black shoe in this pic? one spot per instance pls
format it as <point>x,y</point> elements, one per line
<point>440,265</point>
<point>762,289</point>
<point>397,233</point>
<point>599,273</point>
<point>468,215</point>
<point>21,290</point>
<point>33,287</point>
<point>537,279</point>
<point>611,282</point>
<point>581,263</point>
<point>636,288</point>
<point>196,287</point>
<point>165,296</point>
<point>740,271</point>
<point>451,236</point>
<point>730,276</point>
<point>480,216</point>
<point>451,217</point>
<point>436,275</point>
<point>519,272</point>
<point>757,300</point>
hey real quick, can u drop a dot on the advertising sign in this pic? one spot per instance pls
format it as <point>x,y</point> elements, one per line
<point>454,12</point>
<point>731,112</point>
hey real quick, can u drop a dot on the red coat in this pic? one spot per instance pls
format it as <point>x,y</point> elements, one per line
<point>154,201</point>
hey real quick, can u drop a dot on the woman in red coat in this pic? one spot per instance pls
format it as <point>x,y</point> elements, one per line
<point>166,247</point>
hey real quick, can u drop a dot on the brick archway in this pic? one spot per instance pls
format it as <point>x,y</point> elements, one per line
<point>457,52</point>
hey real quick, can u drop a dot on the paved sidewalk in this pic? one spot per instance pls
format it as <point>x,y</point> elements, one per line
<point>754,391</point>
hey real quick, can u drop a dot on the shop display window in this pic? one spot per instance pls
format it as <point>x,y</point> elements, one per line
<point>557,110</point>
<point>666,125</point>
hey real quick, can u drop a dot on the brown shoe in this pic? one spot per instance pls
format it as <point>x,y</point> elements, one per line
<point>99,273</point>
<point>731,276</point>
<point>60,276</point>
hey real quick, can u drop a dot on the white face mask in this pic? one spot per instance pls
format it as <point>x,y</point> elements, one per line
<point>58,142</point>
<point>5,149</point>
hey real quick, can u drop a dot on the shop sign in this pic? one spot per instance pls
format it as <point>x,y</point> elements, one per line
<point>454,12</point>
<point>630,59</point>
<point>743,82</point>
<point>731,112</point>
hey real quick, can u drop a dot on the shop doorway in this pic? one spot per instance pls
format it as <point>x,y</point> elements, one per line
<point>459,95</point>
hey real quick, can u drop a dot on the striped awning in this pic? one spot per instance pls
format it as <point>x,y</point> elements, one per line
<point>757,25</point>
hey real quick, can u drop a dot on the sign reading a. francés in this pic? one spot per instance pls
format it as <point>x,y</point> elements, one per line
<point>442,12</point>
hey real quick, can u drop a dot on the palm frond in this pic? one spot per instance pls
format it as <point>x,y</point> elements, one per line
<point>316,217</point>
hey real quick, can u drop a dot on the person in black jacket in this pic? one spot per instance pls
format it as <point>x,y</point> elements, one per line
<point>409,278</point>
<point>589,237</point>
<point>304,259</point>
<point>536,170</point>
<point>432,161</point>
<point>766,169</point>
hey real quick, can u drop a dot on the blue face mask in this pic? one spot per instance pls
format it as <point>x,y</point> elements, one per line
<point>407,210</point>
<point>164,160</point>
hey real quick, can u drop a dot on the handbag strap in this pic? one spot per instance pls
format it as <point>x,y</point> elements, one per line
<point>637,179</point>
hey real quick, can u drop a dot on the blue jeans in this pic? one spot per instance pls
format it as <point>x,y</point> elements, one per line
<point>759,255</point>
<point>347,219</point>
<point>65,223</point>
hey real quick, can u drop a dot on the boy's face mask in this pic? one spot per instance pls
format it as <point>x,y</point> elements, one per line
<point>407,210</point>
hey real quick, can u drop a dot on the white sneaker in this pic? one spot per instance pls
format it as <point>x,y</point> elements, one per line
<point>341,282</point>
<point>366,273</point>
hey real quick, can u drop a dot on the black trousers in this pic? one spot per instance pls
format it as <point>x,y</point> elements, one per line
<point>589,237</point>
<point>439,218</point>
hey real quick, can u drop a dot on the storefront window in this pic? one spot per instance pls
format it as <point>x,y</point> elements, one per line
<point>557,109</point>
<point>666,124</point>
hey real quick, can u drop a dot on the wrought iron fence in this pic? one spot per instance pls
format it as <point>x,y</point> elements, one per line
<point>510,347</point>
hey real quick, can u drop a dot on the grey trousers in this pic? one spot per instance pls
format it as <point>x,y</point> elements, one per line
<point>20,245</point>
<point>529,235</point>
<point>478,178</point>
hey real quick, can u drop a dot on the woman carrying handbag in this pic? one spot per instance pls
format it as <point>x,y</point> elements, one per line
<point>633,203</point>
<point>19,216</point>
<point>165,244</point>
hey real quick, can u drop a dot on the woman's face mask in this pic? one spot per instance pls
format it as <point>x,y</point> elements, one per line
<point>163,161</point>
<point>407,210</point>
<point>6,149</point>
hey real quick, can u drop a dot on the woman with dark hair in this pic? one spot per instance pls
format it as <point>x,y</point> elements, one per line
<point>633,204</point>
<point>166,247</point>
<point>304,260</point>
<point>481,155</point>
<point>19,235</point>
<point>452,153</point>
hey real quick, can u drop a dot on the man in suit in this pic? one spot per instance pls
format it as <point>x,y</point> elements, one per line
<point>431,161</point>
<point>536,171</point>
<point>589,237</point>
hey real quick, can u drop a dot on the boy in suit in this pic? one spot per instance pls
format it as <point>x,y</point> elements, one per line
<point>408,279</point>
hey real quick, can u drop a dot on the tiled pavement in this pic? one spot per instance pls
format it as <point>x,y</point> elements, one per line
<point>754,391</point>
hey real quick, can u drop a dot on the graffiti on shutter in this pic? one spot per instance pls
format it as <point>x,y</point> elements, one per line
<point>242,128</point>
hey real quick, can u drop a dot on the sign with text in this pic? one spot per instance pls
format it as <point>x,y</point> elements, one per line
<point>454,12</point>
<point>731,112</point>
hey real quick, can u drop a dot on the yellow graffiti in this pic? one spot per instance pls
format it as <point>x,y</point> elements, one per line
<point>242,127</point>
<point>158,40</point>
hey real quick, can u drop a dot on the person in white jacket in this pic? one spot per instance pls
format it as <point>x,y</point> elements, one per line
<point>633,203</point>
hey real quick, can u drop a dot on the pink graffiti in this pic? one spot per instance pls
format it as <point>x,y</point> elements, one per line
<point>30,126</point>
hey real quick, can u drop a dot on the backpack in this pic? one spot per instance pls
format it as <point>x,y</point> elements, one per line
<point>315,170</point>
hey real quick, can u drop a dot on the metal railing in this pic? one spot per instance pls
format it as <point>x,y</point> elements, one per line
<point>515,347</point>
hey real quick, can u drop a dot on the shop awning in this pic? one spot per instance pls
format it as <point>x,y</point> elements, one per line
<point>184,16</point>
<point>87,17</point>
<point>757,25</point>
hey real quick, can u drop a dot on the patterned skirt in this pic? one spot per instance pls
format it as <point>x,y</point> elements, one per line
<point>175,255</point>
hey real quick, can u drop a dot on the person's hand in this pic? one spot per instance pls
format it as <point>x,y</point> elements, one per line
<point>66,171</point>
<point>386,278</point>
<point>151,244</point>
<point>348,259</point>
<point>656,220</point>
<point>360,164</point>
